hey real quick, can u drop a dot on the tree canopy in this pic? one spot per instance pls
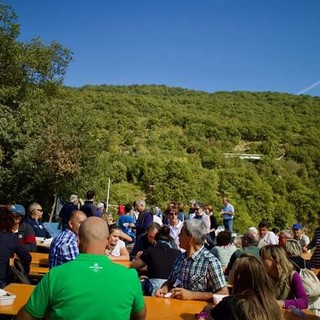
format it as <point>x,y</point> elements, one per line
<point>152,141</point>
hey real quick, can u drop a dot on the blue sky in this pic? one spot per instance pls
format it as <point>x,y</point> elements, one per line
<point>208,45</point>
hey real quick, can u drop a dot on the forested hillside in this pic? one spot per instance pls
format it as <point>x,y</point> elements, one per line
<point>155,142</point>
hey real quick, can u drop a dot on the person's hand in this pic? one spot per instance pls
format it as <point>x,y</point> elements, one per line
<point>139,253</point>
<point>181,293</point>
<point>161,292</point>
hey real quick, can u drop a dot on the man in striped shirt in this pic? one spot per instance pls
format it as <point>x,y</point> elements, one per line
<point>197,273</point>
<point>64,247</point>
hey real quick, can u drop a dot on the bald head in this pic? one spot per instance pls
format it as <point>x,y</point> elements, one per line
<point>93,236</point>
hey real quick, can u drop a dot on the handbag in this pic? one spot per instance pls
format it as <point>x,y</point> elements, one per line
<point>310,281</point>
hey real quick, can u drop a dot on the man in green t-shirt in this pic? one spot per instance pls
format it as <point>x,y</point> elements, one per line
<point>89,287</point>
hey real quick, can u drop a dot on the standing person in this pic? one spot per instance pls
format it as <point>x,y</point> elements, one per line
<point>213,223</point>
<point>196,273</point>
<point>252,296</point>
<point>201,215</point>
<point>174,223</point>
<point>66,210</point>
<point>191,212</point>
<point>145,218</point>
<point>266,236</point>
<point>126,222</point>
<point>9,246</point>
<point>88,207</point>
<point>64,247</point>
<point>227,215</point>
<point>299,235</point>
<point>287,283</point>
<point>94,277</point>
<point>22,230</point>
<point>315,242</point>
<point>101,209</point>
<point>34,219</point>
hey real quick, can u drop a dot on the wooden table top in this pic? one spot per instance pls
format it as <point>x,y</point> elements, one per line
<point>166,308</point>
<point>23,292</point>
<point>157,308</point>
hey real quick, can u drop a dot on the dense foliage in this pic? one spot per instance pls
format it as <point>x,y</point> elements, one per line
<point>155,142</point>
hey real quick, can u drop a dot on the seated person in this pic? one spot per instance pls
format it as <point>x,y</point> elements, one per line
<point>252,296</point>
<point>286,282</point>
<point>224,248</point>
<point>159,259</point>
<point>266,236</point>
<point>34,219</point>
<point>89,287</point>
<point>116,249</point>
<point>64,247</point>
<point>145,241</point>
<point>249,242</point>
<point>23,230</point>
<point>9,246</point>
<point>196,273</point>
<point>294,252</point>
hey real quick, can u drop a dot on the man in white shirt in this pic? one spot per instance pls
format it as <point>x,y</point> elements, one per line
<point>266,236</point>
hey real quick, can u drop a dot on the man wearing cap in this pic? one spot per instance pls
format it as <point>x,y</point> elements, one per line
<point>64,247</point>
<point>299,235</point>
<point>66,210</point>
<point>22,230</point>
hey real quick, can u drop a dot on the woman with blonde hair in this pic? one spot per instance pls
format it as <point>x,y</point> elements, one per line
<point>287,282</point>
<point>252,298</point>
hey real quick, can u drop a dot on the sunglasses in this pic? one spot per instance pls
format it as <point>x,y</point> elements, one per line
<point>41,210</point>
<point>173,214</point>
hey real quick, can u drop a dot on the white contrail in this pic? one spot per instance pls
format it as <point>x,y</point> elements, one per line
<point>309,88</point>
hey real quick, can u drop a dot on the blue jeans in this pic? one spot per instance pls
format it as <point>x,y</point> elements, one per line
<point>228,224</point>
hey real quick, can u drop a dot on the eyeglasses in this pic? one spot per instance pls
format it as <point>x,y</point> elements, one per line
<point>41,210</point>
<point>196,209</point>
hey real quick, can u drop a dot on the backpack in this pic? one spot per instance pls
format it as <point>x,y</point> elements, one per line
<point>310,281</point>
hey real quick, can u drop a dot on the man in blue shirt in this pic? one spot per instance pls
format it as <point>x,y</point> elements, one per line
<point>64,247</point>
<point>227,214</point>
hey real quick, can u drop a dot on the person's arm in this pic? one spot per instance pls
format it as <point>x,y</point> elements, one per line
<point>30,239</point>
<point>184,294</point>
<point>125,237</point>
<point>137,264</point>
<point>141,315</point>
<point>300,300</point>
<point>124,255</point>
<point>24,315</point>
<point>312,243</point>
<point>165,288</point>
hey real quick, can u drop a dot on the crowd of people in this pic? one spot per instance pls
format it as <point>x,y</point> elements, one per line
<point>178,253</point>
